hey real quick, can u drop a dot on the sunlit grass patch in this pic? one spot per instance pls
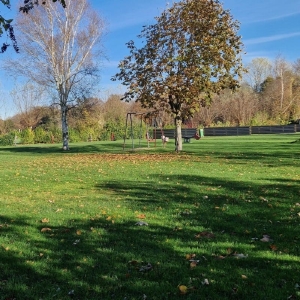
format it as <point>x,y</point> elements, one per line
<point>219,220</point>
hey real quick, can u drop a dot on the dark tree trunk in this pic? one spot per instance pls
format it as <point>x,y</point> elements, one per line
<point>65,128</point>
<point>178,135</point>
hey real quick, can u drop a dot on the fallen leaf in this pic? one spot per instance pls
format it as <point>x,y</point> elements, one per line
<point>141,216</point>
<point>78,232</point>
<point>273,247</point>
<point>244,277</point>
<point>45,220</point>
<point>205,234</point>
<point>45,229</point>
<point>220,257</point>
<point>183,289</point>
<point>263,199</point>
<point>193,263</point>
<point>190,256</point>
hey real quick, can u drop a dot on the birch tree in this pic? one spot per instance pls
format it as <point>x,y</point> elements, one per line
<point>191,52</point>
<point>6,24</point>
<point>60,49</point>
<point>257,72</point>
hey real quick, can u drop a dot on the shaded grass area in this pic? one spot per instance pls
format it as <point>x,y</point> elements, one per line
<point>68,221</point>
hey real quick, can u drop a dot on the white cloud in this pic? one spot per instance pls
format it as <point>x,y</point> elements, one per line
<point>268,39</point>
<point>261,19</point>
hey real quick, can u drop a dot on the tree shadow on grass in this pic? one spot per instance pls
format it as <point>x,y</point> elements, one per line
<point>107,256</point>
<point>103,147</point>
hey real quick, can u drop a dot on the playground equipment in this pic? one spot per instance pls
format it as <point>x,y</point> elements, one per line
<point>152,120</point>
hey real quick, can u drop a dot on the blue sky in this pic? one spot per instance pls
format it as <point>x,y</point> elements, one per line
<point>268,28</point>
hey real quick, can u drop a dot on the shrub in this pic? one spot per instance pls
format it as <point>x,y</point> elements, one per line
<point>40,135</point>
<point>7,139</point>
<point>27,136</point>
<point>74,136</point>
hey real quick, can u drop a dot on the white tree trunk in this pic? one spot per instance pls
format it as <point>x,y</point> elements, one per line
<point>65,128</point>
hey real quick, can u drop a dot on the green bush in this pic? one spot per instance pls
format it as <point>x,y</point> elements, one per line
<point>7,139</point>
<point>74,136</point>
<point>40,135</point>
<point>27,136</point>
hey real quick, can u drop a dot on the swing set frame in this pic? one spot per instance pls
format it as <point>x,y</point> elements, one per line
<point>144,116</point>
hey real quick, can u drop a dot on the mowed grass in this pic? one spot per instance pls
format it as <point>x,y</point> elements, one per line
<point>218,221</point>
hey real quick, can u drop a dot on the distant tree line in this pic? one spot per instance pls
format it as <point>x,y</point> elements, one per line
<point>269,96</point>
<point>189,70</point>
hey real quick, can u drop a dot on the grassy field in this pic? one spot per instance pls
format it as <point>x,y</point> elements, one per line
<point>218,221</point>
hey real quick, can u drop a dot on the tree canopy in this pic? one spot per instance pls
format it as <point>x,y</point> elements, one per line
<point>192,51</point>
<point>6,24</point>
<point>61,51</point>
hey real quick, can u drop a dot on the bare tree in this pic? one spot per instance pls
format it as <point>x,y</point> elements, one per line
<point>6,24</point>
<point>25,98</point>
<point>257,72</point>
<point>278,96</point>
<point>243,106</point>
<point>59,47</point>
<point>281,70</point>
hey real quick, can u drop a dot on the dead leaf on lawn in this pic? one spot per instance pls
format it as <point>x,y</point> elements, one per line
<point>205,234</point>
<point>190,256</point>
<point>263,199</point>
<point>45,220</point>
<point>193,263</point>
<point>45,229</point>
<point>220,256</point>
<point>183,289</point>
<point>273,247</point>
<point>177,228</point>
<point>141,216</point>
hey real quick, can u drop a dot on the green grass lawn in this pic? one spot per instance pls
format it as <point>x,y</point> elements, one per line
<point>218,221</point>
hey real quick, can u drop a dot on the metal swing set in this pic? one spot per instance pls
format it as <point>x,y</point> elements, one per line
<point>151,119</point>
